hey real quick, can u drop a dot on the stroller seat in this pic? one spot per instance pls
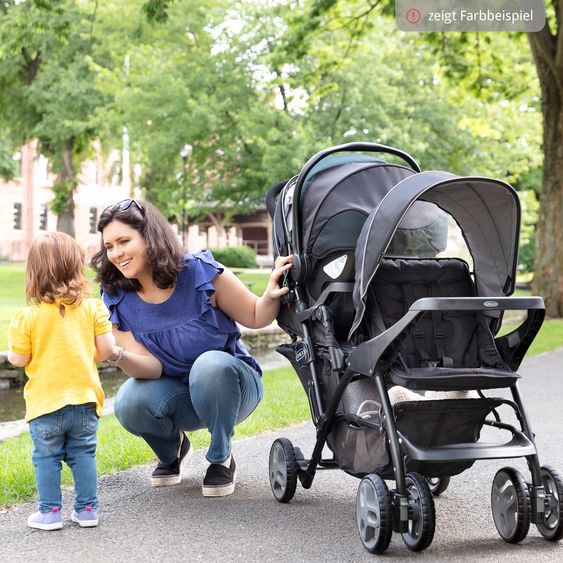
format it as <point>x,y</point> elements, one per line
<point>446,350</point>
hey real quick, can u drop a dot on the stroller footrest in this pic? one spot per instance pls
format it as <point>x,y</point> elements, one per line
<point>448,379</point>
<point>518,446</point>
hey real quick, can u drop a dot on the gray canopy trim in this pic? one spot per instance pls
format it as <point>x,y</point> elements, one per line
<point>486,210</point>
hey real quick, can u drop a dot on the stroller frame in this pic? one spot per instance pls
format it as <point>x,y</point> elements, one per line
<point>372,358</point>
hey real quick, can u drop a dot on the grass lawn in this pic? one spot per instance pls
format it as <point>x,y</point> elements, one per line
<point>255,281</point>
<point>284,403</point>
<point>549,338</point>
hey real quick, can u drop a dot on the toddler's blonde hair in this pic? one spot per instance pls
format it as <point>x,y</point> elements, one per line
<point>55,270</point>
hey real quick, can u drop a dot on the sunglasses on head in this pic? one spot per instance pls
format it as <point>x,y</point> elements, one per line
<point>124,205</point>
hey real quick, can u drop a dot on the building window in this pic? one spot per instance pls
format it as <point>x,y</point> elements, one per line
<point>17,216</point>
<point>43,210</point>
<point>203,230</point>
<point>93,220</point>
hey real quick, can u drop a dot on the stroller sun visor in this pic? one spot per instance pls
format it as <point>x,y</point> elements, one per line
<point>486,210</point>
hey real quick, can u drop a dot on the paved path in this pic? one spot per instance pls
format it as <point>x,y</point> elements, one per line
<point>139,523</point>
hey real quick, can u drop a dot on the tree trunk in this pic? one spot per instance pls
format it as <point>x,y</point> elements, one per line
<point>66,181</point>
<point>221,234</point>
<point>548,266</point>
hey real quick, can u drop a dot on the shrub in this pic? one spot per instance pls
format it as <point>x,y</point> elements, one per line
<point>235,256</point>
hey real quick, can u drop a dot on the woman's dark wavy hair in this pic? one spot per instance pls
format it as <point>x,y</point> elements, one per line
<point>163,248</point>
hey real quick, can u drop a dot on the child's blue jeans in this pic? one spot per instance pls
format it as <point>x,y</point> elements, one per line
<point>68,434</point>
<point>222,391</point>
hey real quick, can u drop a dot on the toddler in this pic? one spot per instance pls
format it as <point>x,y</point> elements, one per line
<point>59,338</point>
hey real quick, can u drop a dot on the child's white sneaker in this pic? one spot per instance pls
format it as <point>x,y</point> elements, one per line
<point>85,518</point>
<point>51,520</point>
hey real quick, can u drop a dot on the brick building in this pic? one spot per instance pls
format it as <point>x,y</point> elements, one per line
<point>25,209</point>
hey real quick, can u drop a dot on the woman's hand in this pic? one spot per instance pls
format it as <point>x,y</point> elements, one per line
<point>133,358</point>
<point>274,290</point>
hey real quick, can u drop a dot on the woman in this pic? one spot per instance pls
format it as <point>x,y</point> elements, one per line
<point>174,316</point>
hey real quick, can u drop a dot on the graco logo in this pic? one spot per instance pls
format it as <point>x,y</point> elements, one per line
<point>301,354</point>
<point>490,304</point>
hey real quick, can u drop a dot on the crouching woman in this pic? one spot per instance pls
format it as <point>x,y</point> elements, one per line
<point>173,316</point>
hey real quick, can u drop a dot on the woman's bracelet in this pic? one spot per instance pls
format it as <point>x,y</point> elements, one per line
<point>120,357</point>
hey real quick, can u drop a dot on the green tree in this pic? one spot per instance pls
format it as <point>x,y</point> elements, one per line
<point>47,86</point>
<point>8,168</point>
<point>191,79</point>
<point>394,90</point>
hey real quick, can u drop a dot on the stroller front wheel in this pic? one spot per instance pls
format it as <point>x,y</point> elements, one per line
<point>374,514</point>
<point>510,504</point>
<point>283,470</point>
<point>551,525</point>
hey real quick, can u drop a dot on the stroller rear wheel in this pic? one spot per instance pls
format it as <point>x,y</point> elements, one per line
<point>283,470</point>
<point>422,523</point>
<point>374,514</point>
<point>551,525</point>
<point>437,485</point>
<point>510,504</point>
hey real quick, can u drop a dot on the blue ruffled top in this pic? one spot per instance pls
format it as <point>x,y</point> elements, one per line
<point>179,330</point>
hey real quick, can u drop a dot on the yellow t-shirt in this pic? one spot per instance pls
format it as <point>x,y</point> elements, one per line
<point>62,370</point>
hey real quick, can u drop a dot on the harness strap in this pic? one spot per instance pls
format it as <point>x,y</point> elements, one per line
<point>418,332</point>
<point>439,329</point>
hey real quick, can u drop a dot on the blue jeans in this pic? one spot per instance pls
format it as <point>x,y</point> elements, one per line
<point>68,434</point>
<point>221,392</point>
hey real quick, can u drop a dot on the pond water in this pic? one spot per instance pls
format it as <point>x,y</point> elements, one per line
<point>12,406</point>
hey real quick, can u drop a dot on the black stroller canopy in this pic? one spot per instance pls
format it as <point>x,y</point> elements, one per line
<point>486,210</point>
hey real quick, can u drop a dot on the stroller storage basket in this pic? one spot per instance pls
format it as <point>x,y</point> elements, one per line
<point>439,423</point>
<point>360,450</point>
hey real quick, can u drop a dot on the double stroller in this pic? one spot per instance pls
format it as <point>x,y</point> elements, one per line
<point>375,307</point>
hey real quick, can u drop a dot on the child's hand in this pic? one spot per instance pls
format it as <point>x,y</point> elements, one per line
<point>105,347</point>
<point>118,354</point>
<point>114,353</point>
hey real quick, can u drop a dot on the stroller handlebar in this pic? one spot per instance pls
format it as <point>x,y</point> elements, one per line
<point>512,346</point>
<point>477,303</point>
